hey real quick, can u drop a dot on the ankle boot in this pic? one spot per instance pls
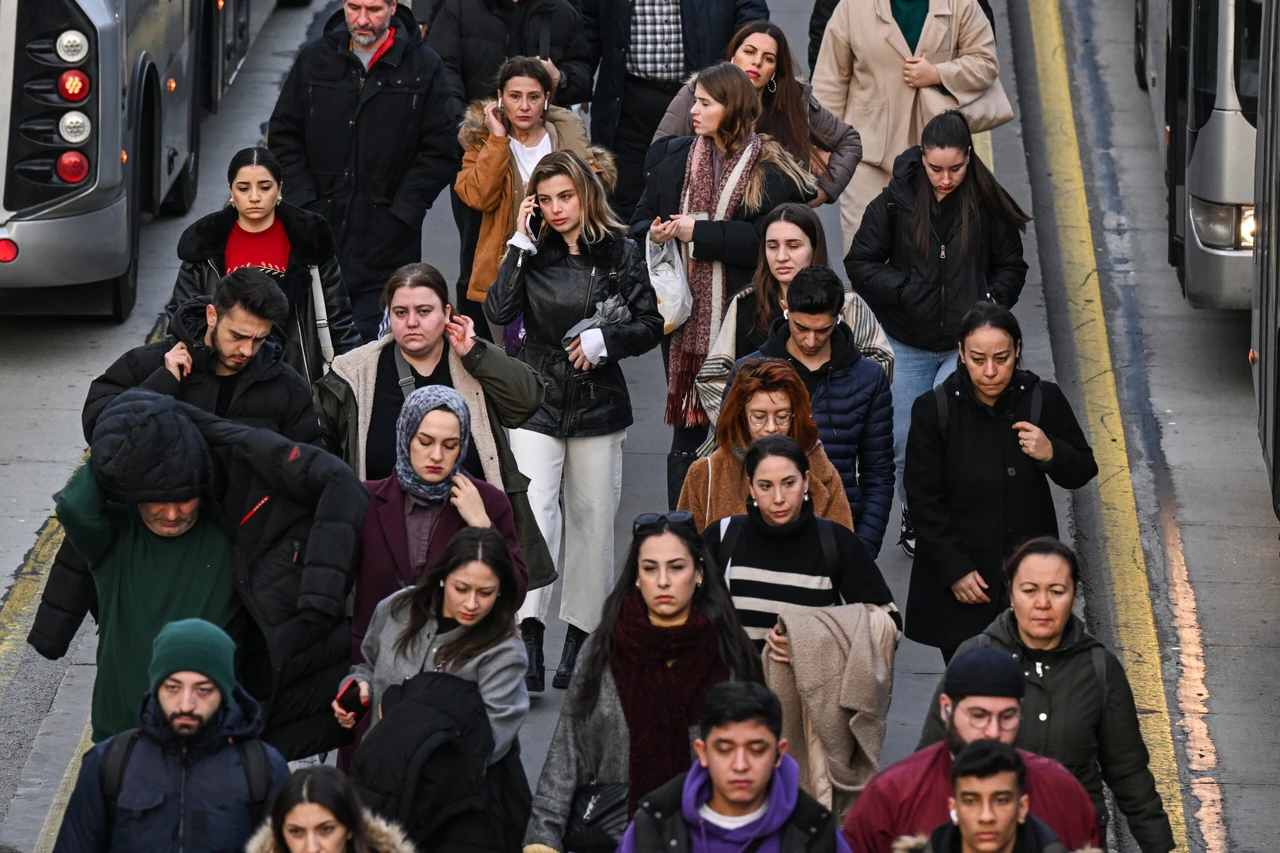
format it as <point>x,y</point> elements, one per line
<point>535,677</point>
<point>572,643</point>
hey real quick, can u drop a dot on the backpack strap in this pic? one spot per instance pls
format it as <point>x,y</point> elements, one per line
<point>1099,655</point>
<point>1037,403</point>
<point>115,758</point>
<point>730,530</point>
<point>944,410</point>
<point>257,772</point>
<point>830,553</point>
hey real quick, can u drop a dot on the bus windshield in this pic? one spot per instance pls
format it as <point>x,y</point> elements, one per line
<point>1248,52</point>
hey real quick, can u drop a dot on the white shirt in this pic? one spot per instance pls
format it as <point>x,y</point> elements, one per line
<point>527,158</point>
<point>726,821</point>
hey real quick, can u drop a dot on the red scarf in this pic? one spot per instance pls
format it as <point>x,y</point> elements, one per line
<point>662,675</point>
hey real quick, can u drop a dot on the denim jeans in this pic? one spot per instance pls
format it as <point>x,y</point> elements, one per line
<point>915,372</point>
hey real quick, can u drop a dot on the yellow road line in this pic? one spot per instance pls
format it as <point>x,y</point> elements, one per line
<point>20,604</point>
<point>1122,547</point>
<point>982,147</point>
<point>53,820</point>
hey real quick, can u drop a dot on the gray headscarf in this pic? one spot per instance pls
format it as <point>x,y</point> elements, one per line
<point>416,407</point>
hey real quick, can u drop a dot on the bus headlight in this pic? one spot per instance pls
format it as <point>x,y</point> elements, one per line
<point>1215,224</point>
<point>1246,226</point>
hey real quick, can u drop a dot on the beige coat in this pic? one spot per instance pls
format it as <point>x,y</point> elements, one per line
<point>835,696</point>
<point>859,78</point>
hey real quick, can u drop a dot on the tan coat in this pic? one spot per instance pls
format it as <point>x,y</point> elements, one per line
<point>859,78</point>
<point>835,697</point>
<point>726,493</point>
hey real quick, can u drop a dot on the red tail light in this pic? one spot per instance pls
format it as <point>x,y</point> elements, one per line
<point>72,167</point>
<point>73,85</point>
<point>8,251</point>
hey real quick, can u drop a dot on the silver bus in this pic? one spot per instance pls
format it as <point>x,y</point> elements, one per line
<point>100,110</point>
<point>1199,59</point>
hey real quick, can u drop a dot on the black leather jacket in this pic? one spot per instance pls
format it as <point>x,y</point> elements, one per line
<point>202,248</point>
<point>553,292</point>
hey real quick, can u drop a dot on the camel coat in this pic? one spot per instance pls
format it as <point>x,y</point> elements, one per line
<point>859,78</point>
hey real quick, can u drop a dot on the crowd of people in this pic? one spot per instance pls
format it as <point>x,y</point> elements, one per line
<point>323,520</point>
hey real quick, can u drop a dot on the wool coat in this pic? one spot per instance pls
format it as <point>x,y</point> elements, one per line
<point>975,496</point>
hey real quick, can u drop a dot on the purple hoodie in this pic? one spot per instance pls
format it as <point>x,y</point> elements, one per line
<point>706,837</point>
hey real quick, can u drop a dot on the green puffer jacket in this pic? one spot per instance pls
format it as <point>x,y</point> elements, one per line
<point>500,392</point>
<point>1064,718</point>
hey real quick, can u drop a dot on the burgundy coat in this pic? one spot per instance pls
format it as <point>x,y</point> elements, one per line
<point>381,568</point>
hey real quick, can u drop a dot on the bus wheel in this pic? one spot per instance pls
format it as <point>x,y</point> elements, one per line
<point>1140,42</point>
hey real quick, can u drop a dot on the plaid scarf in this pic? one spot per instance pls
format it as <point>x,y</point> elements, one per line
<point>717,201</point>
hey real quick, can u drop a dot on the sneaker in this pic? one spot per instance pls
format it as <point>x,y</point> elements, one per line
<point>907,537</point>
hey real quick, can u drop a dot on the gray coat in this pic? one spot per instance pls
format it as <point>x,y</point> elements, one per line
<point>499,671</point>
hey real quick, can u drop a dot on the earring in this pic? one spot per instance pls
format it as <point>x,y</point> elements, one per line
<point>954,819</point>
<point>442,584</point>
<point>806,497</point>
<point>773,84</point>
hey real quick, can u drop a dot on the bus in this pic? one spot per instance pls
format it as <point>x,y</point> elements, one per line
<point>100,110</point>
<point>1199,60</point>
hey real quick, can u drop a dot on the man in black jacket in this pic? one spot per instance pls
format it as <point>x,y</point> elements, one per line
<point>221,355</point>
<point>646,50</point>
<point>365,131</point>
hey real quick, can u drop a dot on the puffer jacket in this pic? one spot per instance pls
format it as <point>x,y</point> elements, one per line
<point>1082,717</point>
<point>853,409</point>
<point>920,301</point>
<point>203,245</point>
<point>383,836</point>
<point>472,39</point>
<point>553,296</point>
<point>193,790</point>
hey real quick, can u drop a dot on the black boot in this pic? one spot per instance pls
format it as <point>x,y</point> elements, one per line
<point>678,462</point>
<point>535,677</point>
<point>572,643</point>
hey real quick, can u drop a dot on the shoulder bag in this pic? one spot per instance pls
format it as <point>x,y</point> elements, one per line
<point>597,818</point>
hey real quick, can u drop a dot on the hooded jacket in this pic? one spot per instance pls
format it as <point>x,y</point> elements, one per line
<point>668,820</point>
<point>383,837</point>
<point>1073,717</point>
<point>553,294</point>
<point>1032,837</point>
<point>202,248</point>
<point>193,790</point>
<point>921,301</point>
<point>367,150</point>
<point>853,409</point>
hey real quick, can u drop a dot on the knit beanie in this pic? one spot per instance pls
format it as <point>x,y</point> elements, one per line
<point>145,448</point>
<point>984,671</point>
<point>194,645</point>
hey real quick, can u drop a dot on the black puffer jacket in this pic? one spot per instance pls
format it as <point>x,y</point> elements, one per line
<point>368,150</point>
<point>203,246</point>
<point>471,37</point>
<point>554,291</point>
<point>920,302</point>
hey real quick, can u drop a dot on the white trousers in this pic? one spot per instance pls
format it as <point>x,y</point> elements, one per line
<point>591,471</point>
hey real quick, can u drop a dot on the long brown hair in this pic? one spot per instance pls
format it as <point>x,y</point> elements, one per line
<point>729,86</point>
<point>426,601</point>
<point>784,111</point>
<point>981,196</point>
<point>768,289</point>
<point>768,376</point>
<point>598,219</point>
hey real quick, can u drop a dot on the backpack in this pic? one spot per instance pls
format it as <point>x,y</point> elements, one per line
<point>944,410</point>
<point>1099,656</point>
<point>115,758</point>
<point>731,529</point>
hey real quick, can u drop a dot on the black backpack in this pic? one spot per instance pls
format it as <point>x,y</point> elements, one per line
<point>115,758</point>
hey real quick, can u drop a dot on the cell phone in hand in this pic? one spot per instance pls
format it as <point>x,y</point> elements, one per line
<point>349,700</point>
<point>535,223</point>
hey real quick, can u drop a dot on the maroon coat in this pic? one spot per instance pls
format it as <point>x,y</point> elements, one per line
<point>382,568</point>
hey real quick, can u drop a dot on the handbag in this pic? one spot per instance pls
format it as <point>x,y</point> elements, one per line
<point>597,818</point>
<point>322,319</point>
<point>989,110</point>
<point>666,274</point>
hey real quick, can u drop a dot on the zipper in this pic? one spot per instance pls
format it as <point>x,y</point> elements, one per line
<point>182,801</point>
<point>573,386</point>
<point>942,289</point>
<point>1039,669</point>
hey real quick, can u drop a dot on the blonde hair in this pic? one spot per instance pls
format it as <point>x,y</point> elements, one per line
<point>598,219</point>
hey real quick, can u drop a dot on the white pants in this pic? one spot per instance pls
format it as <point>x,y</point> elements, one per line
<point>591,468</point>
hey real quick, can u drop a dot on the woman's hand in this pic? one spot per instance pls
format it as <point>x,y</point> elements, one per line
<point>660,232</point>
<point>346,720</point>
<point>1033,441</point>
<point>683,227</point>
<point>921,73</point>
<point>493,121</point>
<point>522,218</point>
<point>461,330</point>
<point>822,198</point>
<point>466,499</point>
<point>778,644</point>
<point>969,589</point>
<point>577,357</point>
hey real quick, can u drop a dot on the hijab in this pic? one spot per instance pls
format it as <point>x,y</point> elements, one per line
<point>429,399</point>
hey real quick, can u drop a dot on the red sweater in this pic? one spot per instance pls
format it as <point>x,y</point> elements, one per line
<point>910,798</point>
<point>268,249</point>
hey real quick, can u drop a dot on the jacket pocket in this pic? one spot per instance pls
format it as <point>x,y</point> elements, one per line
<point>870,119</point>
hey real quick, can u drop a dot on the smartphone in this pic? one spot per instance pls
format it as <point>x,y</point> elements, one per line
<point>535,223</point>
<point>349,700</point>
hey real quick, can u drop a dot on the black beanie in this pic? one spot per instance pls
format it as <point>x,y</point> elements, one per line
<point>984,671</point>
<point>145,448</point>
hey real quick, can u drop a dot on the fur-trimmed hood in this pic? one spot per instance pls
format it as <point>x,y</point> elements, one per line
<point>384,837</point>
<point>568,131</point>
<point>310,239</point>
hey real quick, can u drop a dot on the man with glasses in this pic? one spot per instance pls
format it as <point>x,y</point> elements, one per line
<point>982,699</point>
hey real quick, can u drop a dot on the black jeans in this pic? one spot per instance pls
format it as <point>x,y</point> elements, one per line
<point>467,221</point>
<point>644,103</point>
<point>685,440</point>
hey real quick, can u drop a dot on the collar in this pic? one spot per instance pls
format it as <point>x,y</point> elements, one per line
<point>382,51</point>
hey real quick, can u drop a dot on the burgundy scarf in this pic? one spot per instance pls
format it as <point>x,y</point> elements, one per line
<point>718,200</point>
<point>662,675</point>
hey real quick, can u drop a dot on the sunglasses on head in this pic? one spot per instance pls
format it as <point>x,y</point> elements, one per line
<point>648,522</point>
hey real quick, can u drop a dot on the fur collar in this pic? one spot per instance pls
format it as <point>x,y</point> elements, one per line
<point>567,131</point>
<point>310,240</point>
<point>607,254</point>
<point>384,837</point>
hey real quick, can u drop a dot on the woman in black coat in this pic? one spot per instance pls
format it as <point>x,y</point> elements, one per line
<point>981,451</point>
<point>942,236</point>
<point>258,228</point>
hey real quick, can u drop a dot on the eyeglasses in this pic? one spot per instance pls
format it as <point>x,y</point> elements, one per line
<point>649,522</point>
<point>781,420</point>
<point>980,718</point>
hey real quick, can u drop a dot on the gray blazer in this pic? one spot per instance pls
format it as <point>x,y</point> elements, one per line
<point>844,141</point>
<point>499,671</point>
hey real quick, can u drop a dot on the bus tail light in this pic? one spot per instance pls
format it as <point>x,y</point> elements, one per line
<point>73,85</point>
<point>8,251</point>
<point>72,167</point>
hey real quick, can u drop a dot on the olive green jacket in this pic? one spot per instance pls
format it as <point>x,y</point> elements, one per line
<point>1082,715</point>
<point>500,392</point>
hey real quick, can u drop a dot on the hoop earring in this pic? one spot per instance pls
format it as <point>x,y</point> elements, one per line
<point>772,85</point>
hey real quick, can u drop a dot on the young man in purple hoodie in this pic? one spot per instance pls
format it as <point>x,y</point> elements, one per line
<point>742,794</point>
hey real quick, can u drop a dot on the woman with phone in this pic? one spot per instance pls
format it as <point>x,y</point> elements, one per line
<point>710,192</point>
<point>504,139</point>
<point>580,256</point>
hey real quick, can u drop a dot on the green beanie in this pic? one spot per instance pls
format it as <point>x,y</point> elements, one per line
<point>194,645</point>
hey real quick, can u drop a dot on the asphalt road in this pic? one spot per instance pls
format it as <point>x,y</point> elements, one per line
<point>1202,539</point>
